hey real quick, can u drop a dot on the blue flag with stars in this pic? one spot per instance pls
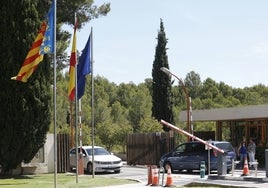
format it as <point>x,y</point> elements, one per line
<point>83,68</point>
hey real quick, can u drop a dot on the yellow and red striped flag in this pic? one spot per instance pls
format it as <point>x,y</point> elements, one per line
<point>71,89</point>
<point>33,57</point>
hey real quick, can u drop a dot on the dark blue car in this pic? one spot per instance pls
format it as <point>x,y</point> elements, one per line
<point>188,156</point>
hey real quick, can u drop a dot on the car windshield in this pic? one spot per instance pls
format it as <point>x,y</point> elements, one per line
<point>98,151</point>
<point>224,146</point>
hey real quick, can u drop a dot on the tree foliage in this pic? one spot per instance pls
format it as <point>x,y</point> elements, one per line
<point>161,89</point>
<point>26,107</point>
<point>126,108</point>
<point>25,113</point>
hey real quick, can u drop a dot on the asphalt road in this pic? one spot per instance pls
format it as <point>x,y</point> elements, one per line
<point>256,179</point>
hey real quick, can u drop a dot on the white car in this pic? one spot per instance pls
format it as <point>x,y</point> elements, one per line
<point>103,160</point>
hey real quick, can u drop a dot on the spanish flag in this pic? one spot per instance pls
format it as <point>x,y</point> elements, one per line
<point>71,89</point>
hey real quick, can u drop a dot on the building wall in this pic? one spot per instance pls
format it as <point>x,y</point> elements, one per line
<point>50,152</point>
<point>43,162</point>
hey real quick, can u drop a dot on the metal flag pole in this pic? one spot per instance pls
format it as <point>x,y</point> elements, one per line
<point>71,125</point>
<point>80,157</point>
<point>76,125</point>
<point>54,96</point>
<point>80,127</point>
<point>76,112</point>
<point>92,103</point>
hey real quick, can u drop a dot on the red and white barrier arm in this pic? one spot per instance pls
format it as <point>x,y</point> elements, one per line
<point>190,135</point>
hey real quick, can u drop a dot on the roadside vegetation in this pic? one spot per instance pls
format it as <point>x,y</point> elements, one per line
<point>63,181</point>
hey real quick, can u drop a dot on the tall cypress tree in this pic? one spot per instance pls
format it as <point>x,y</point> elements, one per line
<point>25,107</point>
<point>161,95</point>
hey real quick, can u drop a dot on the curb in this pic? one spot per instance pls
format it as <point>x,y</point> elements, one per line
<point>242,178</point>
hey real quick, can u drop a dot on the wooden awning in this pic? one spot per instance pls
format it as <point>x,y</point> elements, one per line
<point>221,114</point>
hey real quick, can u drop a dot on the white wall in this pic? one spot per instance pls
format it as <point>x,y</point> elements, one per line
<point>43,162</point>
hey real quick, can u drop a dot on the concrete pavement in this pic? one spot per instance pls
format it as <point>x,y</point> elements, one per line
<point>255,179</point>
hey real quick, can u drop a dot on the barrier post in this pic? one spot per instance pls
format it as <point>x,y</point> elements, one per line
<point>80,164</point>
<point>233,164</point>
<point>222,164</point>
<point>256,168</point>
<point>161,170</point>
<point>202,169</point>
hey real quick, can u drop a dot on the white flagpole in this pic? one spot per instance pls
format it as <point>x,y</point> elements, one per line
<point>54,97</point>
<point>92,103</point>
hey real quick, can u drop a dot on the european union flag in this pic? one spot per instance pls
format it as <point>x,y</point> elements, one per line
<point>48,42</point>
<point>83,68</point>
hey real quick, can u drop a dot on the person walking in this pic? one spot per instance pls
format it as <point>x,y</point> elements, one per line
<point>243,154</point>
<point>251,152</point>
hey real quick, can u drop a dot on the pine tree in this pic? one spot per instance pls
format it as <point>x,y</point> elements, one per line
<point>161,95</point>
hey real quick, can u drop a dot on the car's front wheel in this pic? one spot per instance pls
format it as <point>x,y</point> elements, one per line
<point>117,171</point>
<point>89,168</point>
<point>71,169</point>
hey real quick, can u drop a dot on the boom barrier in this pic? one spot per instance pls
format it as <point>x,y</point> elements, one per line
<point>191,135</point>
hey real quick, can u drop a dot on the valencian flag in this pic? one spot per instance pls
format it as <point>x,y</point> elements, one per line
<point>83,68</point>
<point>71,89</point>
<point>48,42</point>
<point>34,56</point>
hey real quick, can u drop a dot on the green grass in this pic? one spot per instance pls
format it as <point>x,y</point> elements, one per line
<point>63,181</point>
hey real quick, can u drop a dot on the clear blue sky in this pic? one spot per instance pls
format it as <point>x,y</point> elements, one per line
<point>226,40</point>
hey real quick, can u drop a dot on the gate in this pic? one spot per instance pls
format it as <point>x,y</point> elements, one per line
<point>147,148</point>
<point>63,141</point>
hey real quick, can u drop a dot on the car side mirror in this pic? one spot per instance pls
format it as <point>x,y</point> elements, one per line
<point>176,153</point>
